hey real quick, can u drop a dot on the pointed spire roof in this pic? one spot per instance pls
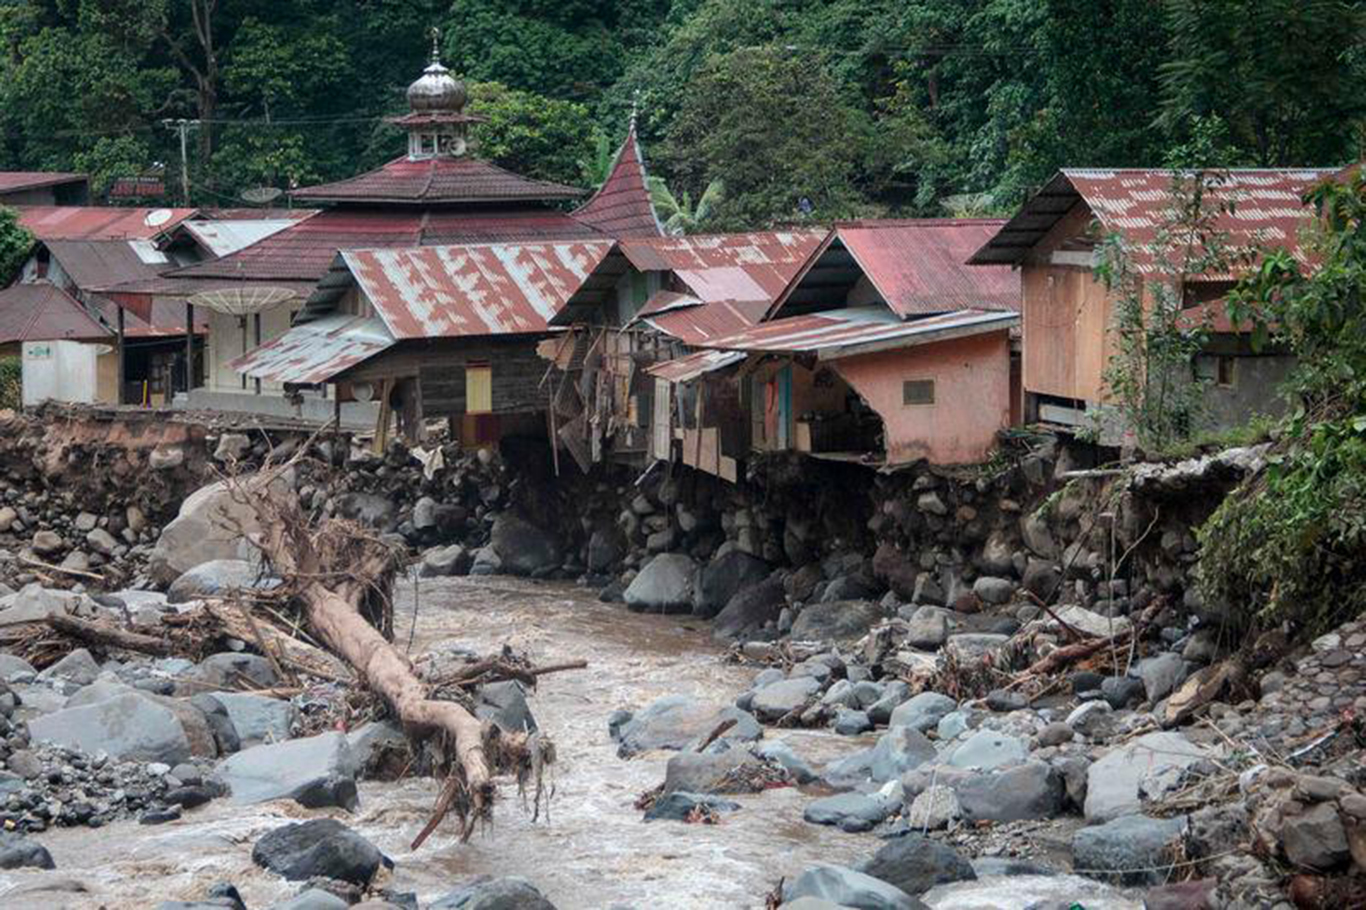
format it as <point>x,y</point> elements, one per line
<point>621,207</point>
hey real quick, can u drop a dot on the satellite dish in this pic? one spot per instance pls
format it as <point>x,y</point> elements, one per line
<point>261,195</point>
<point>362,391</point>
<point>158,217</point>
<point>242,301</point>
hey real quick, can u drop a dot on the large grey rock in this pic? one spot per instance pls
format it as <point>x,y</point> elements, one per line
<point>127,727</point>
<point>750,609</point>
<point>314,771</point>
<point>897,751</point>
<point>775,750</point>
<point>934,808</point>
<point>256,718</point>
<point>322,847</point>
<point>777,700</point>
<point>681,806</point>
<point>18,851</point>
<point>915,864</point>
<point>606,548</point>
<point>1033,790</point>
<point>216,578</point>
<point>1316,838</point>
<point>524,548</point>
<point>1146,767</point>
<point>993,590</point>
<point>1131,850</point>
<point>927,629</point>
<point>505,893</point>
<point>852,812</point>
<point>664,585</point>
<point>987,750</point>
<point>440,562</point>
<point>970,648</point>
<point>34,603</point>
<point>15,669</point>
<point>840,620</point>
<point>313,899</point>
<point>212,524</point>
<point>678,722</point>
<point>922,712</point>
<point>722,578</point>
<point>505,704</point>
<point>706,772</point>
<point>76,667</point>
<point>226,669</point>
<point>847,887</point>
<point>1161,674</point>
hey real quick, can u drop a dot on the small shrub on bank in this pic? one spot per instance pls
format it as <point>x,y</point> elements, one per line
<point>11,382</point>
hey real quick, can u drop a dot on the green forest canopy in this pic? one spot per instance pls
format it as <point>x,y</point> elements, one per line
<point>803,108</point>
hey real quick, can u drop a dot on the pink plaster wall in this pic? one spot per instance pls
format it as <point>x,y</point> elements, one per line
<point>972,397</point>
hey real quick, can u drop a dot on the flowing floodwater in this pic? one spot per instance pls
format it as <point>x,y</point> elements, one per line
<point>592,852</point>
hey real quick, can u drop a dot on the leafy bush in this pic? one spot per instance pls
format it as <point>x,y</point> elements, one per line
<point>11,382</point>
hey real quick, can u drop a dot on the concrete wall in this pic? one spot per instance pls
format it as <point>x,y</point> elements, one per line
<point>972,397</point>
<point>224,345</point>
<point>72,371</point>
<point>311,408</point>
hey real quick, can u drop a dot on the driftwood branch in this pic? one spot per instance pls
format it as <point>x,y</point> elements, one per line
<point>108,636</point>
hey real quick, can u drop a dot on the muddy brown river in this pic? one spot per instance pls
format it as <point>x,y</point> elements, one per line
<point>592,852</point>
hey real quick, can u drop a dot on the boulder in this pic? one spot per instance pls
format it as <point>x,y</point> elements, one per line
<point>34,603</point>
<point>777,700</point>
<point>48,544</point>
<point>750,609</point>
<point>897,751</point>
<point>664,585</point>
<point>775,750</point>
<point>440,562</point>
<point>927,629</point>
<point>834,621</point>
<point>723,578</point>
<point>211,525</point>
<point>127,728</point>
<point>706,772</point>
<point>16,669</point>
<point>255,718</point>
<point>225,669</point>
<point>1316,838</point>
<point>369,509</point>
<point>505,704</point>
<point>504,893</point>
<point>76,667</point>
<point>606,548</point>
<point>102,542</point>
<point>1131,850</point>
<point>987,750</point>
<point>923,712</point>
<point>992,590</point>
<point>314,771</point>
<point>321,847</point>
<point>845,887</point>
<point>679,722</point>
<point>936,807</point>
<point>1030,791</point>
<point>18,851</point>
<point>915,864</point>
<point>852,812</point>
<point>314,899</point>
<point>216,578</point>
<point>681,806</point>
<point>970,648</point>
<point>523,548</point>
<point>1161,674</point>
<point>1146,767</point>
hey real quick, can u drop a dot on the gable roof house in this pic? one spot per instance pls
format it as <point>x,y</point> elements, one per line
<point>884,348</point>
<point>43,188</point>
<point>649,300</point>
<point>439,194</point>
<point>1067,312</point>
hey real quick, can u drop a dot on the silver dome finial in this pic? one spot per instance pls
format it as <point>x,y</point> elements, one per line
<point>436,43</point>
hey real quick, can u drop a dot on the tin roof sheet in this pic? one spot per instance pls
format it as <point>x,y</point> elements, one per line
<point>920,266</point>
<point>41,311</point>
<point>622,207</point>
<point>1268,210</point>
<point>697,325</point>
<point>451,291</point>
<point>96,222</point>
<point>304,251</point>
<point>230,235</point>
<point>316,351</point>
<point>836,333</point>
<point>691,366</point>
<point>439,179</point>
<point>738,267</point>
<point>16,181</point>
<point>99,264</point>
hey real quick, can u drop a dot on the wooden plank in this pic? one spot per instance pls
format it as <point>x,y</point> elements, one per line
<point>730,469</point>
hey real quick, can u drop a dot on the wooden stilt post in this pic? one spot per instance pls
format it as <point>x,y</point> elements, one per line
<point>189,351</point>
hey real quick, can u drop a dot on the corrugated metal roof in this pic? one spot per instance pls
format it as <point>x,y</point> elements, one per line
<point>920,266</point>
<point>95,222</point>
<point>41,311</point>
<point>440,179</point>
<point>150,318</point>
<point>316,351</point>
<point>737,267</point>
<point>691,366</point>
<point>304,251</point>
<point>1268,209</point>
<point>451,291</point>
<point>697,325</point>
<point>15,181</point>
<point>228,236</point>
<point>839,333</point>
<point>622,207</point>
<point>98,264</point>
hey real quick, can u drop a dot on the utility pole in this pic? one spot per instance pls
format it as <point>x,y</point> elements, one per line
<point>183,126</point>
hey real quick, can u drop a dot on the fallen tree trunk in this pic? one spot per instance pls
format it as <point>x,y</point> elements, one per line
<point>105,635</point>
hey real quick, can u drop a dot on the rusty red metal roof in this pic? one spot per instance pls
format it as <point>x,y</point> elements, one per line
<point>488,289</point>
<point>858,330</point>
<point>17,181</point>
<point>696,325</point>
<point>622,207</point>
<point>304,251</point>
<point>691,366</point>
<point>41,311</point>
<point>97,222</point>
<point>316,351</point>
<point>150,317</point>
<point>738,267</point>
<point>919,266</point>
<point>437,180</point>
<point>1268,210</point>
